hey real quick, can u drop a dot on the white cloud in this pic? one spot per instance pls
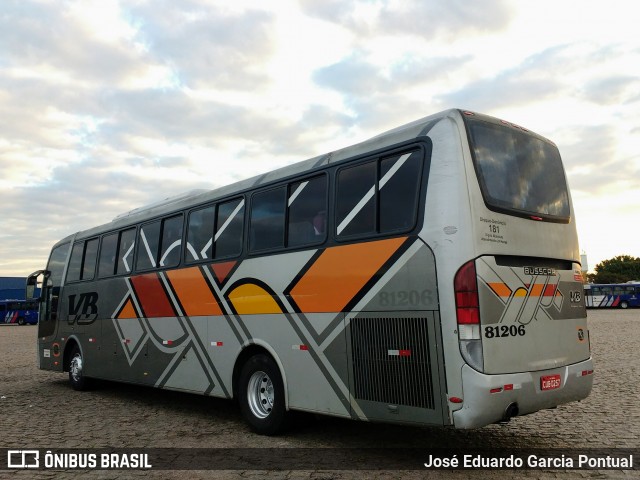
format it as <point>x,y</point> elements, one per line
<point>113,103</point>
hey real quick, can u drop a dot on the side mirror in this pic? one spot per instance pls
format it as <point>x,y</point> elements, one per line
<point>31,292</point>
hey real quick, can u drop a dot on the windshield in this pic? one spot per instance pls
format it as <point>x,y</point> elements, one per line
<point>519,173</point>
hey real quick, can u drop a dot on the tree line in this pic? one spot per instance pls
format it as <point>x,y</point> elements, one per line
<point>620,269</point>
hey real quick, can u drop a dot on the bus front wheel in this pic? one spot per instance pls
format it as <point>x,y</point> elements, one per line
<point>262,395</point>
<point>76,370</point>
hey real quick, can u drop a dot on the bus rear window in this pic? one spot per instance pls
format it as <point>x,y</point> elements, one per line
<point>519,173</point>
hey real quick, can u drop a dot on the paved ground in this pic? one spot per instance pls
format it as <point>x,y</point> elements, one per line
<point>39,410</point>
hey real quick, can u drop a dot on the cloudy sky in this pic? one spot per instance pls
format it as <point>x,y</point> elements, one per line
<point>108,105</point>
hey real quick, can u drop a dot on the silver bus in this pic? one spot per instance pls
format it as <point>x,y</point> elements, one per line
<point>429,275</point>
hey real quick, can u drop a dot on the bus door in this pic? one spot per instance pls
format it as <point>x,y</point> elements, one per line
<point>49,351</point>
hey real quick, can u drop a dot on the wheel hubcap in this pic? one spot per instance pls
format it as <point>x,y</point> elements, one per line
<point>75,368</point>
<point>260,394</point>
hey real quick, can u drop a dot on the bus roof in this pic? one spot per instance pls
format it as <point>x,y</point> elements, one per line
<point>397,135</point>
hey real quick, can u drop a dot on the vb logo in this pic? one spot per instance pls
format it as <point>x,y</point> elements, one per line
<point>83,309</point>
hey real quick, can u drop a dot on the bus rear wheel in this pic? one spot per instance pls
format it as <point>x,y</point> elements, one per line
<point>624,304</point>
<point>20,320</point>
<point>262,395</point>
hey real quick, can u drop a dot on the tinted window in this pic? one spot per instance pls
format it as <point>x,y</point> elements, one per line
<point>171,241</point>
<point>518,172</point>
<point>125,250</point>
<point>307,212</point>
<point>399,186</point>
<point>200,234</point>
<point>356,209</point>
<point>90,255</point>
<point>267,219</point>
<point>75,264</point>
<point>229,228</point>
<point>380,196</point>
<point>106,265</point>
<point>148,243</point>
<point>57,260</point>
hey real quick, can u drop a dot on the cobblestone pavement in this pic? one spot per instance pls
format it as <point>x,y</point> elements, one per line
<point>39,410</point>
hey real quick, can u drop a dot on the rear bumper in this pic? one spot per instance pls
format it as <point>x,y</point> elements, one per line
<point>482,407</point>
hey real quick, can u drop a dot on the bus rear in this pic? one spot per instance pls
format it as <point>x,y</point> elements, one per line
<point>519,307</point>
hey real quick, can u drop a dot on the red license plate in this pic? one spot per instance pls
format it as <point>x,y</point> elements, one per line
<point>549,382</point>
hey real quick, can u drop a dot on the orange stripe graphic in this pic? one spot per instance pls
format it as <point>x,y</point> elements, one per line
<point>128,311</point>
<point>151,296</point>
<point>252,299</point>
<point>340,273</point>
<point>500,289</point>
<point>222,270</point>
<point>535,290</point>
<point>193,292</point>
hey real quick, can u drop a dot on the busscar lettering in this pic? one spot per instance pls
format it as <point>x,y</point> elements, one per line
<point>540,271</point>
<point>84,309</point>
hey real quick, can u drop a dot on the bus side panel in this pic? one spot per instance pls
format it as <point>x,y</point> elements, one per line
<point>393,344</point>
<point>448,233</point>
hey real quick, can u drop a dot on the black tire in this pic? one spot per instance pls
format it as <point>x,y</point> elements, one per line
<point>261,396</point>
<point>20,321</point>
<point>77,379</point>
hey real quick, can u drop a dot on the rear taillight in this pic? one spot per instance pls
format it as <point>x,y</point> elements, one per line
<point>468,314</point>
<point>466,288</point>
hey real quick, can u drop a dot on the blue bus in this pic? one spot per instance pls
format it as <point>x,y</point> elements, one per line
<point>620,295</point>
<point>18,311</point>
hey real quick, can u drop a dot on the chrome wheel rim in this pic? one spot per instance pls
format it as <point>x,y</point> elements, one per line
<point>260,394</point>
<point>75,367</point>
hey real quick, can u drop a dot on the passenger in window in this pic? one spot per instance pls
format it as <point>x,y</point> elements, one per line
<point>320,223</point>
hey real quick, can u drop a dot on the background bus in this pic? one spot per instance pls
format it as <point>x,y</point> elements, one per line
<point>619,295</point>
<point>430,275</point>
<point>19,312</point>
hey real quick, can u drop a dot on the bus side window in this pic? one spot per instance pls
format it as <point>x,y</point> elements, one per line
<point>307,212</point>
<point>125,251</point>
<point>200,234</point>
<point>229,229</point>
<point>355,207</point>
<point>89,262</point>
<point>267,219</point>
<point>148,242</point>
<point>379,196</point>
<point>171,241</point>
<point>399,185</point>
<point>75,264</point>
<point>107,262</point>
